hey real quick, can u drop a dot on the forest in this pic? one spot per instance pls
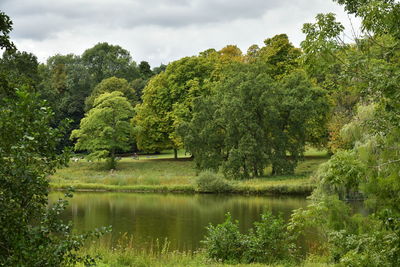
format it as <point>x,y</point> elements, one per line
<point>240,116</point>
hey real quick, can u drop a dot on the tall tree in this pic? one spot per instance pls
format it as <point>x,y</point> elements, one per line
<point>65,84</point>
<point>106,128</point>
<point>22,68</point>
<point>168,100</point>
<point>105,61</point>
<point>111,85</point>
<point>253,121</point>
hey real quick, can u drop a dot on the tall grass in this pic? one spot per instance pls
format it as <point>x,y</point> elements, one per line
<point>158,254</point>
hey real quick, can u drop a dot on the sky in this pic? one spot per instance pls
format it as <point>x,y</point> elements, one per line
<point>159,31</point>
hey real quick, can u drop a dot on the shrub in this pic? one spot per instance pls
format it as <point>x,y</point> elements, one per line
<point>224,241</point>
<point>208,181</point>
<point>268,242</point>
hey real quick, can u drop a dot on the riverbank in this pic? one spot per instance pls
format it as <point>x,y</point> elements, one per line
<point>123,256</point>
<point>161,173</point>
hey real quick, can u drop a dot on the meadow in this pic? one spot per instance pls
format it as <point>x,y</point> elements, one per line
<point>162,173</point>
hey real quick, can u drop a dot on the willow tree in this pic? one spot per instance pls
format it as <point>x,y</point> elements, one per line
<point>106,128</point>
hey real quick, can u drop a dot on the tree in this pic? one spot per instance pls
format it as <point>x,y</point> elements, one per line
<point>5,29</point>
<point>168,100</point>
<point>105,61</point>
<point>152,122</point>
<point>31,233</point>
<point>111,85</point>
<point>240,148</point>
<point>300,117</point>
<point>280,54</point>
<point>280,117</point>
<point>145,70</point>
<point>22,68</point>
<point>105,128</point>
<point>369,164</point>
<point>65,84</point>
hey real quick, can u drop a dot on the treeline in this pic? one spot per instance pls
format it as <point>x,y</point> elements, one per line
<point>230,110</point>
<point>66,81</point>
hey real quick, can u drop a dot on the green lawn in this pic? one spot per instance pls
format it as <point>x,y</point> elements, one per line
<point>161,173</point>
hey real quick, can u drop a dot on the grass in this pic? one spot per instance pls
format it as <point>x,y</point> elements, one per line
<point>162,173</point>
<point>125,253</point>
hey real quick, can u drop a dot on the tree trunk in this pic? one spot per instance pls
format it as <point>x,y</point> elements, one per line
<point>175,153</point>
<point>113,163</point>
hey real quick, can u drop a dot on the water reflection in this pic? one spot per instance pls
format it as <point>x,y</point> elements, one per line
<point>179,218</point>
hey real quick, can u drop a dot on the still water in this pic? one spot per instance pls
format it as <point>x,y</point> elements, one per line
<point>179,218</point>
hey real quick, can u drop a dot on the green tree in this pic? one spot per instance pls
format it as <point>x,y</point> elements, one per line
<point>5,29</point>
<point>145,70</point>
<point>168,100</point>
<point>65,84</point>
<point>111,85</point>
<point>31,233</point>
<point>106,128</point>
<point>370,163</point>
<point>253,121</point>
<point>152,121</point>
<point>299,118</point>
<point>104,61</point>
<point>280,54</point>
<point>21,68</point>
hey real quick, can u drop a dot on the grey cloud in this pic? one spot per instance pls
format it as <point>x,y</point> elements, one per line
<point>42,19</point>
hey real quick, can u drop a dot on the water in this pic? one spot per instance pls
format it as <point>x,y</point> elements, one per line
<point>179,218</point>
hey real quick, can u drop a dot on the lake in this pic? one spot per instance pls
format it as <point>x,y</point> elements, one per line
<point>179,218</point>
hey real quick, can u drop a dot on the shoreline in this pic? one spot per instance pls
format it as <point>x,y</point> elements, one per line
<point>271,190</point>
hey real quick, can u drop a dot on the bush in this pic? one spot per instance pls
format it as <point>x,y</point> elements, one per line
<point>268,242</point>
<point>208,181</point>
<point>377,245</point>
<point>224,241</point>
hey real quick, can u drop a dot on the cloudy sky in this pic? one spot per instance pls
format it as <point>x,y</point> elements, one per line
<point>158,31</point>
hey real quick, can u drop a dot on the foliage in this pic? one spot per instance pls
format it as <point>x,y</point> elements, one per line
<point>65,84</point>
<point>376,248</point>
<point>224,242</point>
<point>21,68</point>
<point>268,242</point>
<point>367,70</point>
<point>30,233</point>
<point>110,85</point>
<point>281,116</point>
<point>280,54</point>
<point>209,181</point>
<point>104,61</point>
<point>341,175</point>
<point>105,128</point>
<point>5,29</point>
<point>168,100</point>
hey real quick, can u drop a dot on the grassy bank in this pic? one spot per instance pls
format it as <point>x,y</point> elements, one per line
<point>159,255</point>
<point>161,173</point>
